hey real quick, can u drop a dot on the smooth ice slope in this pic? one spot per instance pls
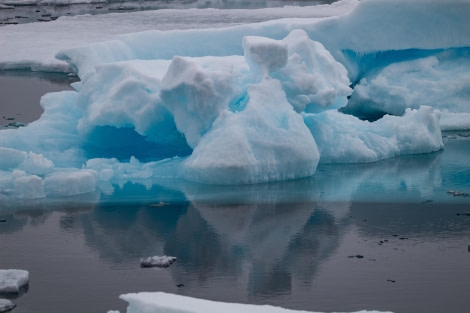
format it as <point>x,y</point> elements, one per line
<point>159,302</point>
<point>12,280</point>
<point>266,141</point>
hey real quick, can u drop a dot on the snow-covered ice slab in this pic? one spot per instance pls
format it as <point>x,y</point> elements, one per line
<point>34,45</point>
<point>159,302</point>
<point>157,261</point>
<point>12,280</point>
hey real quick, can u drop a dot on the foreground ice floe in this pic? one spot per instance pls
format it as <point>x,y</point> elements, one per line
<point>159,302</point>
<point>12,280</point>
<point>6,305</point>
<point>247,104</point>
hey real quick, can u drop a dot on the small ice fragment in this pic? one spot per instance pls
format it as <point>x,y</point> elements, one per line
<point>6,305</point>
<point>157,261</point>
<point>458,193</point>
<point>15,125</point>
<point>159,204</point>
<point>12,280</point>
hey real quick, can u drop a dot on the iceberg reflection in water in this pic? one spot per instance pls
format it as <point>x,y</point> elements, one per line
<point>287,244</point>
<point>241,252</point>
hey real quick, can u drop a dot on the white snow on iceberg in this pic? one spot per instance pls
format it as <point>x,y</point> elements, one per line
<point>250,103</point>
<point>344,138</point>
<point>159,302</point>
<point>266,141</point>
<point>12,280</point>
<point>34,45</point>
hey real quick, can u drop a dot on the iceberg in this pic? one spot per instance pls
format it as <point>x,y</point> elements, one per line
<point>12,280</point>
<point>248,103</point>
<point>164,302</point>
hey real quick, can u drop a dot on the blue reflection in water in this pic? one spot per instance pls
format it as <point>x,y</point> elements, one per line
<point>268,243</point>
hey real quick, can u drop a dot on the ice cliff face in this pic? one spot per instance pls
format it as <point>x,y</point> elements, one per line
<point>248,104</point>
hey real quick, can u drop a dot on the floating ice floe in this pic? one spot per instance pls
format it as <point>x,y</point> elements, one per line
<point>6,305</point>
<point>12,280</point>
<point>157,261</point>
<point>159,302</point>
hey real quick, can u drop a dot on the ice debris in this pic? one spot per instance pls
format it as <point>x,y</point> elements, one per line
<point>6,305</point>
<point>456,193</point>
<point>12,280</point>
<point>157,261</point>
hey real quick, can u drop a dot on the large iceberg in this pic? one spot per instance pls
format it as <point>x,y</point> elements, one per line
<point>249,103</point>
<point>164,302</point>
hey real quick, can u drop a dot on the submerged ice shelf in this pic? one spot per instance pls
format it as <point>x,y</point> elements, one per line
<point>255,103</point>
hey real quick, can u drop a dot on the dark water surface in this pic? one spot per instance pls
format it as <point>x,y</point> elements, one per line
<point>311,256</point>
<point>21,91</point>
<point>392,235</point>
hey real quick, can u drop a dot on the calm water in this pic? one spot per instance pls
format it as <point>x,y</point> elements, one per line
<point>20,92</point>
<point>297,255</point>
<point>385,236</point>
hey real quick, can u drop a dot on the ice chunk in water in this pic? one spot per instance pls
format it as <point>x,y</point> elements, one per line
<point>6,305</point>
<point>157,261</point>
<point>12,280</point>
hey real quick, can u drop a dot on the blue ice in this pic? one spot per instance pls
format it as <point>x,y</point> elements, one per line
<point>248,104</point>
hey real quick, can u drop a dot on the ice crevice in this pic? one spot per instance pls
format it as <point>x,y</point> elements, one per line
<point>255,103</point>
